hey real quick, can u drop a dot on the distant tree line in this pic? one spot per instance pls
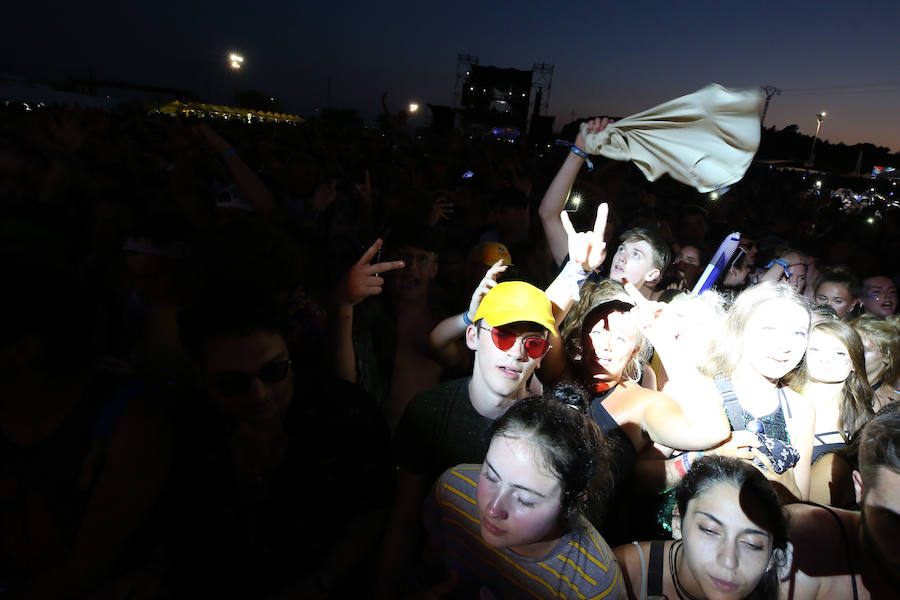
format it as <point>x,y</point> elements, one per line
<point>791,145</point>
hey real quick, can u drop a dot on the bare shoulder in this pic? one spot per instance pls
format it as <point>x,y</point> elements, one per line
<point>636,392</point>
<point>629,558</point>
<point>633,399</point>
<point>821,536</point>
<point>804,515</point>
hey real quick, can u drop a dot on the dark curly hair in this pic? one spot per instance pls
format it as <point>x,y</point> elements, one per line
<point>572,446</point>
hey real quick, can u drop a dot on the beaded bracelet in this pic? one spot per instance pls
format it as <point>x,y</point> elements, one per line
<point>683,464</point>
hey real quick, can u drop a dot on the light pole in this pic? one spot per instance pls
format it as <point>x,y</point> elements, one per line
<point>236,63</point>
<point>819,118</point>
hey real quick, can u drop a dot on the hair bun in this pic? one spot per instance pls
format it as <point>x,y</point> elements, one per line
<point>572,394</point>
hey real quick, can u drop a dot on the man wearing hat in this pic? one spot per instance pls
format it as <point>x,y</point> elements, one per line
<point>446,425</point>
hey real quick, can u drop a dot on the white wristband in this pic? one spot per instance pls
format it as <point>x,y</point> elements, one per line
<point>573,277</point>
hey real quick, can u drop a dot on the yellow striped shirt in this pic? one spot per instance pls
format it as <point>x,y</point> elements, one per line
<point>580,565</point>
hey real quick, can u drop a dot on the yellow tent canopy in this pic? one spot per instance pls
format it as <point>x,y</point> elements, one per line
<point>176,107</point>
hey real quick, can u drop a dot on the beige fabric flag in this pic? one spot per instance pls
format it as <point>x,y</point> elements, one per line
<point>706,139</point>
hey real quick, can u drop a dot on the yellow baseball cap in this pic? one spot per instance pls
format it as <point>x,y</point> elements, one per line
<point>513,301</point>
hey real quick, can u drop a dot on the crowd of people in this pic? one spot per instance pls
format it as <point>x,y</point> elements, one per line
<point>327,360</point>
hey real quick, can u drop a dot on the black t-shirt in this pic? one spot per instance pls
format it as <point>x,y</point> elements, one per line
<point>440,429</point>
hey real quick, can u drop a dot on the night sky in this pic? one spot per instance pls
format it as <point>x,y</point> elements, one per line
<point>840,57</point>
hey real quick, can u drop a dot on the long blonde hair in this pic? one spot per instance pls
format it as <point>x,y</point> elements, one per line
<point>856,403</point>
<point>729,346</point>
<point>593,295</point>
<point>884,333</point>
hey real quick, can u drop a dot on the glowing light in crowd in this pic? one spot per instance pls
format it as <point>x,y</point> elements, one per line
<point>819,184</point>
<point>413,107</point>
<point>235,61</point>
<point>575,199</point>
<point>714,195</point>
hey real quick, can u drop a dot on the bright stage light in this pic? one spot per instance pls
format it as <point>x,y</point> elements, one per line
<point>236,61</point>
<point>413,107</point>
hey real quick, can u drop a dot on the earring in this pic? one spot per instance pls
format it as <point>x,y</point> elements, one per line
<point>636,371</point>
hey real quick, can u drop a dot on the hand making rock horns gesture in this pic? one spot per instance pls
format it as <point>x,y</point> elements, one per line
<point>587,248</point>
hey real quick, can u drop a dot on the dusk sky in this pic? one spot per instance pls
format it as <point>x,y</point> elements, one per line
<point>616,59</point>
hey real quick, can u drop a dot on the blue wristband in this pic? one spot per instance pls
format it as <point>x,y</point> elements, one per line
<point>466,319</point>
<point>226,153</point>
<point>577,152</point>
<point>783,263</point>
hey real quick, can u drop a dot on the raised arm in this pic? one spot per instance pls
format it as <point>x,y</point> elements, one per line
<point>689,415</point>
<point>362,280</point>
<point>250,185</point>
<point>586,251</point>
<point>557,193</point>
<point>452,329</point>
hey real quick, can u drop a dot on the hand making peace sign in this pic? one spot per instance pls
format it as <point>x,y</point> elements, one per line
<point>363,279</point>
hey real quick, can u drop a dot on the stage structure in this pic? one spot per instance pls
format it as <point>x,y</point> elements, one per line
<point>464,64</point>
<point>495,99</point>
<point>541,82</point>
<point>540,130</point>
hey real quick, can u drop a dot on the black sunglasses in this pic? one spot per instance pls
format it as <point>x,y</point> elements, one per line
<point>236,383</point>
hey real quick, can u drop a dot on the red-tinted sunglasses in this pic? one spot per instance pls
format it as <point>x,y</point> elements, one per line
<point>535,347</point>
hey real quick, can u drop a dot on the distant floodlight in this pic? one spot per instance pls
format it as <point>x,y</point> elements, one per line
<point>575,199</point>
<point>714,195</point>
<point>236,61</point>
<point>819,184</point>
<point>413,107</point>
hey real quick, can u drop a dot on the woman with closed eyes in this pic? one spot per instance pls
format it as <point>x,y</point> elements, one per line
<point>730,539</point>
<point>514,526</point>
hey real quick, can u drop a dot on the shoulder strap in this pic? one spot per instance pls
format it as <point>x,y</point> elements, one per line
<point>643,595</point>
<point>655,570</point>
<point>732,405</point>
<point>844,540</point>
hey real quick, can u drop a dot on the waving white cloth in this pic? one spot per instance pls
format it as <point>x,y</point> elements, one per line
<point>706,139</point>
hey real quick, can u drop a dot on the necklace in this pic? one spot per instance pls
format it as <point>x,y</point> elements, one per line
<point>673,567</point>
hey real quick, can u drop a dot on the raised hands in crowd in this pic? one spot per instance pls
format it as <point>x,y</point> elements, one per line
<point>716,404</point>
